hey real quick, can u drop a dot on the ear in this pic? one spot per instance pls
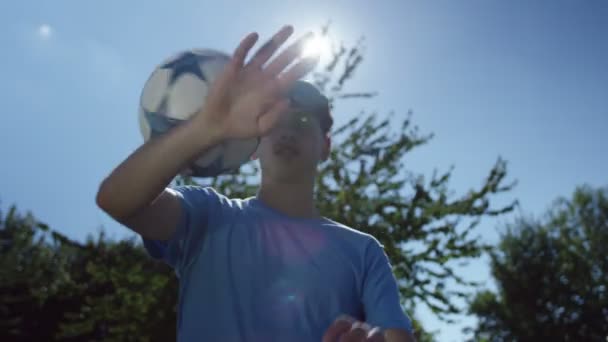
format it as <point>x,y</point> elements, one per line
<point>326,148</point>
<point>255,155</point>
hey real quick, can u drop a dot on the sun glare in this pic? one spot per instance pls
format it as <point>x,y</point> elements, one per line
<point>317,46</point>
<point>45,31</point>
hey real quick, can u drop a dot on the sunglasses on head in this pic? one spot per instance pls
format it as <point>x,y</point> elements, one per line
<point>305,95</point>
<point>308,99</point>
<point>301,119</point>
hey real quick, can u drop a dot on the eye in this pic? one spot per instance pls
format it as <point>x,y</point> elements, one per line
<point>302,118</point>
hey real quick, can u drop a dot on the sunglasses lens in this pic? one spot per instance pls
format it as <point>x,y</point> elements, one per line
<point>307,96</point>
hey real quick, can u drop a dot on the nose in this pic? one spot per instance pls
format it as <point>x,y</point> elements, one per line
<point>290,122</point>
<point>287,137</point>
<point>288,128</point>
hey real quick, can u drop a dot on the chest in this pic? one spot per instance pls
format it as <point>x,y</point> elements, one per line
<point>289,269</point>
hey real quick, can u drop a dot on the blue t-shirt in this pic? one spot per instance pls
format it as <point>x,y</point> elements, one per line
<point>249,273</point>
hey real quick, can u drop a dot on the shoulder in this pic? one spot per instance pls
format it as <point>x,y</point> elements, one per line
<point>194,190</point>
<point>361,240</point>
<point>206,203</point>
<point>200,193</point>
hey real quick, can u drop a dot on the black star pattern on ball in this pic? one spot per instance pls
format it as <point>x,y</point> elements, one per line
<point>186,63</point>
<point>214,169</point>
<point>159,122</point>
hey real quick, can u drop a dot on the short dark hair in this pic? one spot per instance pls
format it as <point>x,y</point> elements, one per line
<point>308,97</point>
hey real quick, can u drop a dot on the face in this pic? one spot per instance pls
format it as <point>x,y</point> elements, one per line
<point>294,148</point>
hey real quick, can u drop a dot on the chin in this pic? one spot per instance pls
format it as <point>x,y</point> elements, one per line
<point>290,171</point>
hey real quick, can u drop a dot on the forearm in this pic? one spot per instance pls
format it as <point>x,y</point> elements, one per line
<point>138,180</point>
<point>398,335</point>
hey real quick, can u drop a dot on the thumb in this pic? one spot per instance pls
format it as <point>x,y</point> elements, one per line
<point>269,119</point>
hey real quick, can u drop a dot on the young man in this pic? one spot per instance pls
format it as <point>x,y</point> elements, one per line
<point>270,267</point>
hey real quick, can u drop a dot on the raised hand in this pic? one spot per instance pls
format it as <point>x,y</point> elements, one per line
<point>347,329</point>
<point>247,99</point>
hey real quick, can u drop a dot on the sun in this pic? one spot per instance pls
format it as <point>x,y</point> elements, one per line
<point>317,46</point>
<point>45,31</point>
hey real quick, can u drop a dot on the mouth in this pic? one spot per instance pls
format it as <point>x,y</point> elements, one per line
<point>285,148</point>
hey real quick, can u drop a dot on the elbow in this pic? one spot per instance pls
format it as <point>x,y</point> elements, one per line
<point>111,202</point>
<point>103,199</point>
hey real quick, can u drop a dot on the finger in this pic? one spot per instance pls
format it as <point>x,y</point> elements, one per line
<point>341,326</point>
<point>268,120</point>
<point>357,333</point>
<point>242,50</point>
<point>288,56</point>
<point>296,72</point>
<point>375,335</point>
<point>236,63</point>
<point>270,47</point>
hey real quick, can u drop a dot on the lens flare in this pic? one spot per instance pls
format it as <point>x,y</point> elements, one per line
<point>317,46</point>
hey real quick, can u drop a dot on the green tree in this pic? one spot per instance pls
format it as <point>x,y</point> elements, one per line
<point>56,289</point>
<point>552,275</point>
<point>52,288</point>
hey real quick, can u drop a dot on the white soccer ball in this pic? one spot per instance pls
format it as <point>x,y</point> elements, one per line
<point>174,92</point>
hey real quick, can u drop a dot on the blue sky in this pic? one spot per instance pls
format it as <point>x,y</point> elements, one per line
<point>525,80</point>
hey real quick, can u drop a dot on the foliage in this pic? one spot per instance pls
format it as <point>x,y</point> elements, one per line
<point>52,288</point>
<point>552,276</point>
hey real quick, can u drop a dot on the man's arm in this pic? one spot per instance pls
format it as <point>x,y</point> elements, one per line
<point>245,101</point>
<point>136,194</point>
<point>398,335</point>
<point>380,296</point>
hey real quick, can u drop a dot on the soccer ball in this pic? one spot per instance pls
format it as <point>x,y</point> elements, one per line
<point>174,92</point>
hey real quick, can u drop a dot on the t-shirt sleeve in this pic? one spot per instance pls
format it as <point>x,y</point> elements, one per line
<point>198,204</point>
<point>381,302</point>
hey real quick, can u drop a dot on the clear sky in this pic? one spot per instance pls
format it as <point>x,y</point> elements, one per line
<point>525,80</point>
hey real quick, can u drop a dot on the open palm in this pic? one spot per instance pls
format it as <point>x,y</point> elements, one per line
<point>247,99</point>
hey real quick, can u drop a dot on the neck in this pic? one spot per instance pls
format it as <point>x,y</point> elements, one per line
<point>295,199</point>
